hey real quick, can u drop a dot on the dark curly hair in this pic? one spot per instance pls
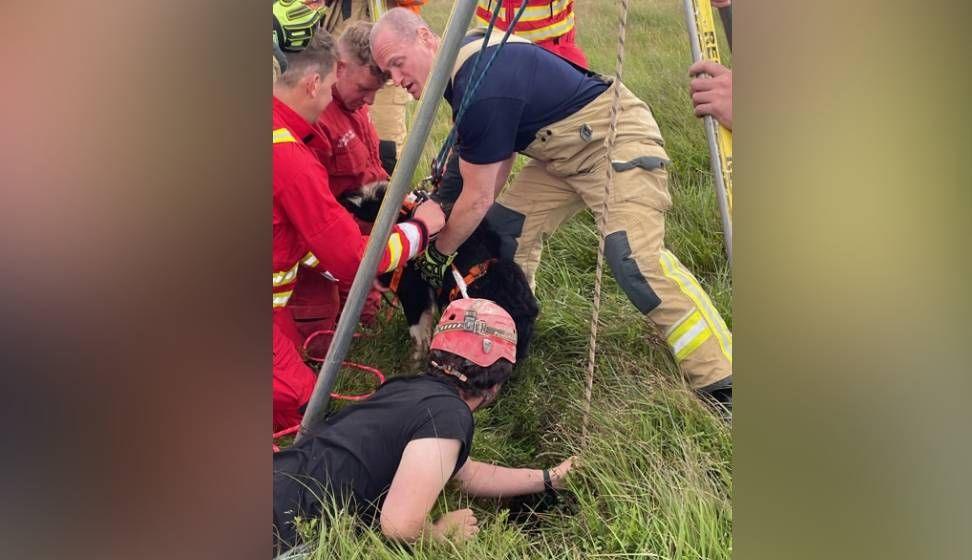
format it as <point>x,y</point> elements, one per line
<point>479,378</point>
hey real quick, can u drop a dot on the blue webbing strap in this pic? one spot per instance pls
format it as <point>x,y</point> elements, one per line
<point>439,163</point>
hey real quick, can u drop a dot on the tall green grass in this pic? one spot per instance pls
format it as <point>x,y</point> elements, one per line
<point>655,477</point>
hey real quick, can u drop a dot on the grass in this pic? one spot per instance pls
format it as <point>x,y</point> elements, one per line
<point>655,479</point>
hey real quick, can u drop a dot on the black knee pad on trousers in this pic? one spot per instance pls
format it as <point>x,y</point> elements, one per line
<point>617,251</point>
<point>508,226</point>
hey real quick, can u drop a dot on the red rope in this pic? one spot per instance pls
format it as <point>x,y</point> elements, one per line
<point>362,367</point>
<point>373,371</point>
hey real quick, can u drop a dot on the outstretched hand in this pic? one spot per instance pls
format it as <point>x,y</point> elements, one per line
<point>456,526</point>
<point>559,473</point>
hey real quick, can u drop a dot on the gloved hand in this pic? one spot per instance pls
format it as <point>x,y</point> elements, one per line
<point>433,265</point>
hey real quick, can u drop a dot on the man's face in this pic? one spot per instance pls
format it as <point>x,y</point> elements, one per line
<point>408,62</point>
<point>489,398</point>
<point>356,84</point>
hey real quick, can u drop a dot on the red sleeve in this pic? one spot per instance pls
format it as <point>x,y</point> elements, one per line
<point>328,229</point>
<point>331,233</point>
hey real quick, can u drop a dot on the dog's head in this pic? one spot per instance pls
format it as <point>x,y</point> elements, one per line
<point>363,203</point>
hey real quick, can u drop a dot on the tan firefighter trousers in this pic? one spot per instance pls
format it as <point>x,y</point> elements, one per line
<point>568,171</point>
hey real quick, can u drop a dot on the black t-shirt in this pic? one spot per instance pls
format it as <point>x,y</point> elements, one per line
<point>526,89</point>
<point>353,455</point>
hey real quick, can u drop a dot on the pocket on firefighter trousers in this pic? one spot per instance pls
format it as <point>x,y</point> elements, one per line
<point>570,148</point>
<point>641,176</point>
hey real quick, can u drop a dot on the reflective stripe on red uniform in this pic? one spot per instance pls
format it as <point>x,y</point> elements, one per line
<point>351,152</point>
<point>309,225</point>
<point>542,19</point>
<point>548,23</point>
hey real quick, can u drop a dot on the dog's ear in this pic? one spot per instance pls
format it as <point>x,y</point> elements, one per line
<point>351,200</point>
<point>354,203</point>
<point>374,191</point>
<point>365,201</point>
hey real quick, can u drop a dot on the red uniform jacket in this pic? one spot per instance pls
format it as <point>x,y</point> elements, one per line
<point>351,151</point>
<point>309,226</point>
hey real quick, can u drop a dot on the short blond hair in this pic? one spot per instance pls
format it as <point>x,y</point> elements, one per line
<point>355,45</point>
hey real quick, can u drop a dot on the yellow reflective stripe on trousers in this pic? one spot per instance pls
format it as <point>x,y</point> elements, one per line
<point>675,271</point>
<point>282,135</point>
<point>394,251</point>
<point>280,298</point>
<point>688,334</point>
<point>310,260</point>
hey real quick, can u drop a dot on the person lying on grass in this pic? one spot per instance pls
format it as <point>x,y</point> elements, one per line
<point>389,457</point>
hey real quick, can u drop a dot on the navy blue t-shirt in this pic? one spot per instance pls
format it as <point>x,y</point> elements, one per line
<point>526,89</point>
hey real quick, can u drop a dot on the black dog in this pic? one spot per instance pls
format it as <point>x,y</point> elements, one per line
<point>486,275</point>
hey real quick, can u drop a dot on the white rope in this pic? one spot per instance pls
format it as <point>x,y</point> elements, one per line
<point>602,222</point>
<point>460,282</point>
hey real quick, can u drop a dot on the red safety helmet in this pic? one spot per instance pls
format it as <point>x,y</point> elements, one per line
<point>477,330</point>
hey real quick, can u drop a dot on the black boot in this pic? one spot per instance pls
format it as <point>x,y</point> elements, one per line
<point>719,396</point>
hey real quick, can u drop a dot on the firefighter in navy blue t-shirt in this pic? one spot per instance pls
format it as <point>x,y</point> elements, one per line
<point>538,104</point>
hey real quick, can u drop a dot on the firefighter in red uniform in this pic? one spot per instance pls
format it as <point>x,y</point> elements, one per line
<point>350,154</point>
<point>310,228</point>
<point>353,159</point>
<point>548,23</point>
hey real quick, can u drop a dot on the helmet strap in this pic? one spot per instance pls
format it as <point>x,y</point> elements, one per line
<point>449,370</point>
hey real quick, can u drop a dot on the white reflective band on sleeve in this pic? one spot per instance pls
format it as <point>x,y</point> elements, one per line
<point>414,236</point>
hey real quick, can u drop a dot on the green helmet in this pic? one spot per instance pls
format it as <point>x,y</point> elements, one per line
<point>295,21</point>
